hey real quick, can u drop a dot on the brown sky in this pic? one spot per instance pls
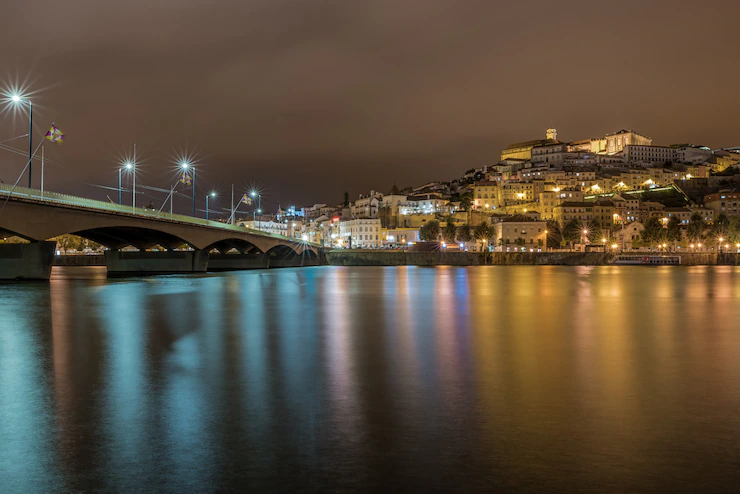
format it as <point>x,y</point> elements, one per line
<point>311,98</point>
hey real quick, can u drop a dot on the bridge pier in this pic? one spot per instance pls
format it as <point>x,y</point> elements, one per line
<point>235,262</point>
<point>121,263</point>
<point>27,261</point>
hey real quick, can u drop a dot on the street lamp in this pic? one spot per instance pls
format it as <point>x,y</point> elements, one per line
<point>212,194</point>
<point>254,217</point>
<point>185,165</point>
<point>259,204</point>
<point>720,244</point>
<point>131,167</point>
<point>18,99</point>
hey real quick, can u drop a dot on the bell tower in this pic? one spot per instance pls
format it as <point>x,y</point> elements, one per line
<point>552,134</point>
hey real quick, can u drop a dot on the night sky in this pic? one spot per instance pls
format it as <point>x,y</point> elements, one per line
<point>308,99</point>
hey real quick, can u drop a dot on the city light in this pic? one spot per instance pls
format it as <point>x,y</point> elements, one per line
<point>15,98</point>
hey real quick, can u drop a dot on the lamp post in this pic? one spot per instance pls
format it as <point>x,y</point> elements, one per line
<point>17,99</point>
<point>132,168</point>
<point>185,165</point>
<point>120,185</point>
<point>212,194</point>
<point>259,205</point>
<point>254,218</point>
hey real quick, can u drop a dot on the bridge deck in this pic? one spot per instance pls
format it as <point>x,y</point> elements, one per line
<point>8,192</point>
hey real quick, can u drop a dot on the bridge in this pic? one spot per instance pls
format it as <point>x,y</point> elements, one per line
<point>187,244</point>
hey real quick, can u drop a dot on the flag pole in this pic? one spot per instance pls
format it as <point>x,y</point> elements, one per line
<point>133,194</point>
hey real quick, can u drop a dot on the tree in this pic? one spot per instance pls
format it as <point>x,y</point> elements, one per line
<point>733,230</point>
<point>346,199</point>
<point>594,231</point>
<point>553,237</point>
<point>430,231</point>
<point>449,233</point>
<point>465,199</point>
<point>520,242</point>
<point>673,233</point>
<point>482,233</point>
<point>651,232</point>
<point>571,232</point>
<point>720,225</point>
<point>463,233</point>
<point>695,230</point>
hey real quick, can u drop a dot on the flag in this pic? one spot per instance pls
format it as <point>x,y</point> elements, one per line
<point>55,135</point>
<point>247,200</point>
<point>185,179</point>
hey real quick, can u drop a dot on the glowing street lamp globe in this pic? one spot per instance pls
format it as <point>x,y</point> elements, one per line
<point>15,98</point>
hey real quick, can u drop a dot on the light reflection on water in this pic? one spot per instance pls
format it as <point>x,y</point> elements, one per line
<point>529,378</point>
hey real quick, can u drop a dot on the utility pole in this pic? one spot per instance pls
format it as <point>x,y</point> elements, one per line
<point>232,205</point>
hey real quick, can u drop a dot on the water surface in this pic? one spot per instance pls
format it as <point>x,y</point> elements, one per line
<point>601,379</point>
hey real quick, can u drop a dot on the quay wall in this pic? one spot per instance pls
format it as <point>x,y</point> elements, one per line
<point>406,258</point>
<point>91,260</point>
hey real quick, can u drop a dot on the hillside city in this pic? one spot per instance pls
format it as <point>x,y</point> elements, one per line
<point>620,192</point>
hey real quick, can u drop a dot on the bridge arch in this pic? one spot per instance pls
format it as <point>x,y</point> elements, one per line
<point>117,237</point>
<point>241,245</point>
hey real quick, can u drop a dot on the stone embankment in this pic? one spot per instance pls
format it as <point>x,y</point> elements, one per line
<point>91,260</point>
<point>405,258</point>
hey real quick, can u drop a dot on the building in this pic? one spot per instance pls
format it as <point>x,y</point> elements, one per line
<point>400,236</point>
<point>523,150</point>
<point>650,154</point>
<point>360,233</point>
<point>519,232</point>
<point>571,210</point>
<point>486,194</point>
<point>629,235</point>
<point>727,202</point>
<point>366,206</point>
<point>275,227</point>
<point>389,207</point>
<point>616,142</point>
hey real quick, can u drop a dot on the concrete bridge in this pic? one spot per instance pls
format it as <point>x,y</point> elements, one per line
<point>187,244</point>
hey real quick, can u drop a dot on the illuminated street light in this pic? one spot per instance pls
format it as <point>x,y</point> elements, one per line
<point>131,168</point>
<point>212,194</point>
<point>185,166</point>
<point>17,99</point>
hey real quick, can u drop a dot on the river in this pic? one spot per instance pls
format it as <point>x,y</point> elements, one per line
<point>515,378</point>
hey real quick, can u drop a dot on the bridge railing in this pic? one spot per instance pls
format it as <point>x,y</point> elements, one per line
<point>7,191</point>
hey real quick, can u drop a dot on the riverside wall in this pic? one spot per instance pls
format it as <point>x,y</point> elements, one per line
<point>405,258</point>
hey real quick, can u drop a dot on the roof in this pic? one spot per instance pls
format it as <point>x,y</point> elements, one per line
<point>394,191</point>
<point>536,142</point>
<point>519,218</point>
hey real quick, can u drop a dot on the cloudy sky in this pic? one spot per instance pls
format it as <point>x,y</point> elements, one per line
<point>308,99</point>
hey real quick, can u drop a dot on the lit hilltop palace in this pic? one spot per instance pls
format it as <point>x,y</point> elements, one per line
<point>616,192</point>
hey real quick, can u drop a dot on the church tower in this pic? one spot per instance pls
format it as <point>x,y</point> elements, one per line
<point>552,134</point>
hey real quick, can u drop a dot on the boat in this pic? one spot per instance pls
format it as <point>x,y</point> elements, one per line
<point>648,260</point>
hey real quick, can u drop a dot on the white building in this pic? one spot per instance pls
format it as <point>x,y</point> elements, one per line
<point>285,228</point>
<point>360,233</point>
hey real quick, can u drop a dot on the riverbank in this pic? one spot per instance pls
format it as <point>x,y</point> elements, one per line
<point>406,258</point>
